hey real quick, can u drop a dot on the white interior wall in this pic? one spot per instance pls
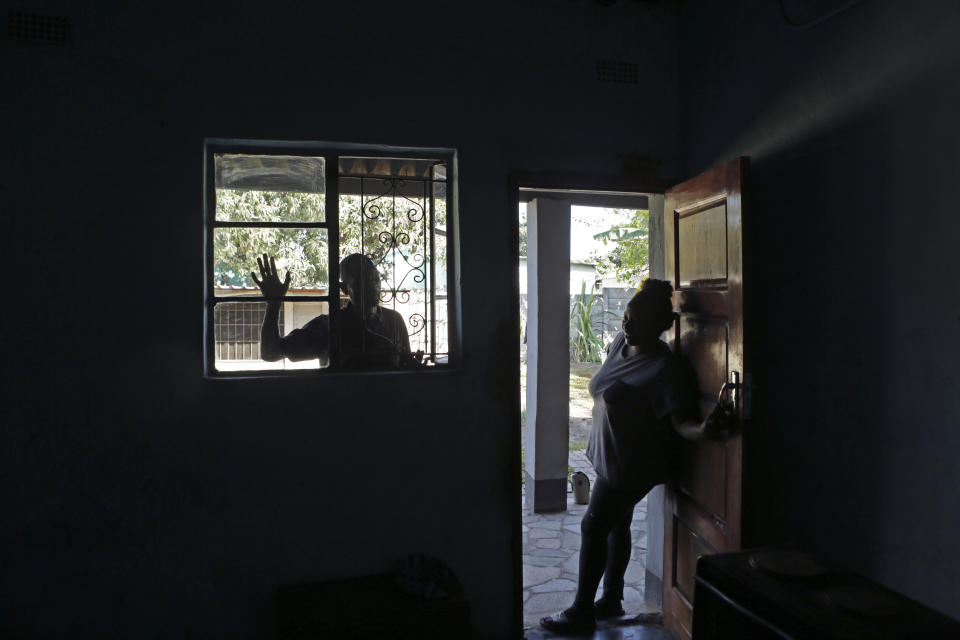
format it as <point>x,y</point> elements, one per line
<point>144,500</point>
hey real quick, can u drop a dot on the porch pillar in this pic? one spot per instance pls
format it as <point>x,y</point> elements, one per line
<point>546,435</point>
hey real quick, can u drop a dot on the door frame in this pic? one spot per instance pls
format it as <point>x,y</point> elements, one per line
<point>565,185</point>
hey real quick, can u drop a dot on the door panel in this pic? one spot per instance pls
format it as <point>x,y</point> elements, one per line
<point>693,547</point>
<point>680,609</point>
<point>709,490</point>
<point>706,526</point>
<point>703,252</point>
<point>705,343</point>
<point>698,232</point>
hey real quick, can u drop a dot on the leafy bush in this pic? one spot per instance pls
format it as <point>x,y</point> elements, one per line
<point>585,344</point>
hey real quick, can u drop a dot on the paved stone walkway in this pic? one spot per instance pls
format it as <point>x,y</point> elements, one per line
<point>551,552</point>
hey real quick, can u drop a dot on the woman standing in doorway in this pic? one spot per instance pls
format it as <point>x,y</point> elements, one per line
<point>641,407</point>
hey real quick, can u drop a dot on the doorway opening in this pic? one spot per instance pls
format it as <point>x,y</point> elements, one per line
<point>582,256</point>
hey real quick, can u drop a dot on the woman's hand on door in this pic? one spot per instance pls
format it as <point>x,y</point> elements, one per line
<point>720,423</point>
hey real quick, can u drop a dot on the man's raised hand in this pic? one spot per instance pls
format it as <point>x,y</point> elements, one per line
<point>270,285</point>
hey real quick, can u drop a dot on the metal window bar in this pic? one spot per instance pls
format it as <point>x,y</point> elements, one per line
<point>432,311</point>
<point>375,206</point>
<point>237,329</point>
<point>363,250</point>
<point>331,169</point>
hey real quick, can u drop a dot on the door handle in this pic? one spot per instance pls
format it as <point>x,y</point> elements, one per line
<point>733,386</point>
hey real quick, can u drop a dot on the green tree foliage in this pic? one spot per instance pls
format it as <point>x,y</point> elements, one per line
<point>523,233</point>
<point>394,234</point>
<point>629,257</point>
<point>393,231</point>
<point>301,251</point>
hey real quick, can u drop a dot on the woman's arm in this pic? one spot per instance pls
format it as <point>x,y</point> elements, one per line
<point>717,426</point>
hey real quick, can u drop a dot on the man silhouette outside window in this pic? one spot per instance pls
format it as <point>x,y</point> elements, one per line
<point>372,337</point>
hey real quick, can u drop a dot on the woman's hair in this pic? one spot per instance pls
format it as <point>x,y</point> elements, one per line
<point>655,297</point>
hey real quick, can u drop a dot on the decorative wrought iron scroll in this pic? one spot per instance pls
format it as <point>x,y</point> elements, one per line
<point>397,233</point>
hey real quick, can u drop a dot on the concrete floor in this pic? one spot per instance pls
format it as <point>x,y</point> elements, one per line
<point>614,630</point>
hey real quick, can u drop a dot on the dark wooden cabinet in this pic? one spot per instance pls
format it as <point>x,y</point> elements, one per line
<point>368,608</point>
<point>794,597</point>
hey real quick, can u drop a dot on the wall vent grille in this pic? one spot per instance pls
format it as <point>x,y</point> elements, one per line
<point>37,28</point>
<point>618,72</point>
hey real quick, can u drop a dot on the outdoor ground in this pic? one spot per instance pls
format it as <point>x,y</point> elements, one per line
<point>581,405</point>
<point>551,553</point>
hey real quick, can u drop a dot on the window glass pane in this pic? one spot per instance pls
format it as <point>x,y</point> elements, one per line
<point>304,252</point>
<point>269,188</point>
<point>237,328</point>
<point>392,220</point>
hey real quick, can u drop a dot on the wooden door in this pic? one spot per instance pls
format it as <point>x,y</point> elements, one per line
<point>703,252</point>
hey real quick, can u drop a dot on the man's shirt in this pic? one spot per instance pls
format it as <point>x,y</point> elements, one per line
<point>382,343</point>
<point>632,442</point>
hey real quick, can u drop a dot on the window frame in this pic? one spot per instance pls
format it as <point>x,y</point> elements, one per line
<point>331,153</point>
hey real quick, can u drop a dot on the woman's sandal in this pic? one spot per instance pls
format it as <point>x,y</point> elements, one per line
<point>655,618</point>
<point>566,625</point>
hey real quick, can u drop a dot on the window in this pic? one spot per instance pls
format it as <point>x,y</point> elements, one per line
<point>356,228</point>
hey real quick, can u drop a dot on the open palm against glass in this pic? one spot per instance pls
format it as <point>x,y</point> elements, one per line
<point>270,285</point>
